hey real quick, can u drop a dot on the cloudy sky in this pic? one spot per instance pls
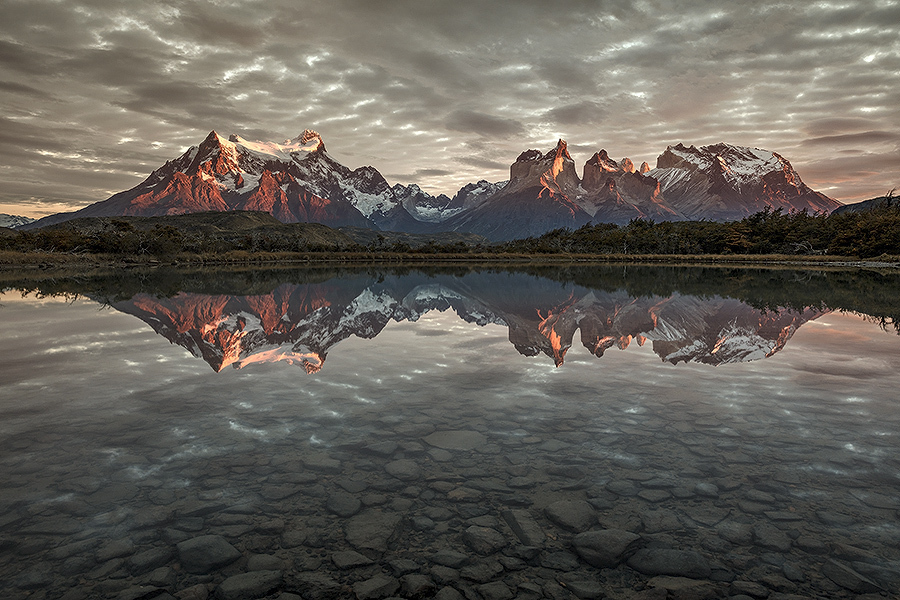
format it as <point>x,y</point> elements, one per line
<point>95,94</point>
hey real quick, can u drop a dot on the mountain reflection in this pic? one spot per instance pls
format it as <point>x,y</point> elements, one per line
<point>298,324</point>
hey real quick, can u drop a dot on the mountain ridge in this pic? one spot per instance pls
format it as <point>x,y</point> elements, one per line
<point>298,181</point>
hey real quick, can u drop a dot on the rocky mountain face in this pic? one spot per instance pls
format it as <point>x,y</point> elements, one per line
<point>299,324</point>
<point>536,199</point>
<point>614,192</point>
<point>297,181</point>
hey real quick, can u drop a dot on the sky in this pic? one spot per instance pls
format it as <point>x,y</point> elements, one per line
<point>96,94</point>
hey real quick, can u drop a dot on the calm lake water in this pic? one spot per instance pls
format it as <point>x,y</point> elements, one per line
<point>566,433</point>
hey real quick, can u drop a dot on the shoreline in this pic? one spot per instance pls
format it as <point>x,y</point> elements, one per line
<point>21,261</point>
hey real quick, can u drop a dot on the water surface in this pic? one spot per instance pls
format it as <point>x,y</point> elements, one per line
<point>351,429</point>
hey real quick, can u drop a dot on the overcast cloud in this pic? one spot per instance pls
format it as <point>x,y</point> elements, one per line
<point>95,94</point>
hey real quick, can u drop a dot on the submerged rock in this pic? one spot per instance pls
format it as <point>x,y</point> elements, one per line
<point>605,548</point>
<point>574,515</point>
<point>248,585</point>
<point>372,529</point>
<point>661,561</point>
<point>484,540</point>
<point>206,553</point>
<point>456,440</point>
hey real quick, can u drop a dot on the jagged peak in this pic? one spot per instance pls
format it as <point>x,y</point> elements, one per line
<point>561,150</point>
<point>601,159</point>
<point>214,140</point>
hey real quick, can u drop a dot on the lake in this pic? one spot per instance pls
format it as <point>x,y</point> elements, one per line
<point>624,431</point>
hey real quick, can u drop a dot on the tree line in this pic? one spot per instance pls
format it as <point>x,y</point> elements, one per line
<point>863,234</point>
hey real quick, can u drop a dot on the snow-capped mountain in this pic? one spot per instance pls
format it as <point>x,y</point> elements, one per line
<point>13,221</point>
<point>297,181</point>
<point>426,208</point>
<point>294,181</point>
<point>299,324</point>
<point>724,182</point>
<point>719,182</point>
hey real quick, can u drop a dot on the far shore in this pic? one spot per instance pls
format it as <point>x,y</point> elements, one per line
<point>19,261</point>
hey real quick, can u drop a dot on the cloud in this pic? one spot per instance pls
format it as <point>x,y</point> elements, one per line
<point>412,87</point>
<point>586,112</point>
<point>25,90</point>
<point>484,163</point>
<point>21,58</point>
<point>864,138</point>
<point>470,121</point>
<point>838,125</point>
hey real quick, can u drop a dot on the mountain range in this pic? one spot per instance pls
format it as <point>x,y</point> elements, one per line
<point>298,324</point>
<point>298,181</point>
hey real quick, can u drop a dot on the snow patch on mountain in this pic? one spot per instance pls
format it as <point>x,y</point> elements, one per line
<point>287,151</point>
<point>13,221</point>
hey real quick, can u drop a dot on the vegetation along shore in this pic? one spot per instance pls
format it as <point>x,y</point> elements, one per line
<point>871,236</point>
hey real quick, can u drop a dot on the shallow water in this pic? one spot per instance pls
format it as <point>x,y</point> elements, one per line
<point>342,434</point>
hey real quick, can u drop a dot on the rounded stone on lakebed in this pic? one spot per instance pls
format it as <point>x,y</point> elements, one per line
<point>605,548</point>
<point>201,555</point>
<point>404,469</point>
<point>574,515</point>
<point>679,563</point>
<point>248,585</point>
<point>456,440</point>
